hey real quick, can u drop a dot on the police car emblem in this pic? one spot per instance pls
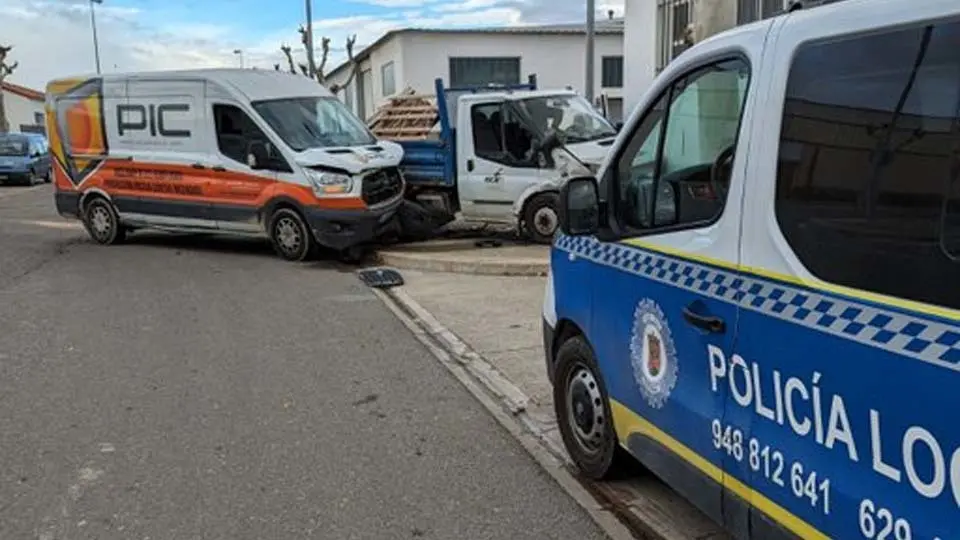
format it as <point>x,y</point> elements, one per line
<point>653,354</point>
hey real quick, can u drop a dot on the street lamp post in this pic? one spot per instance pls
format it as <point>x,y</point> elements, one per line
<point>93,24</point>
<point>239,53</point>
<point>308,42</point>
<point>591,12</point>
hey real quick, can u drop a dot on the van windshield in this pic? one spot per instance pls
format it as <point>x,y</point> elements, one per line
<point>314,122</point>
<point>13,146</point>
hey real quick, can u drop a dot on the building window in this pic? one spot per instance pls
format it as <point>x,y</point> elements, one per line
<point>481,71</point>
<point>868,194</point>
<point>749,11</point>
<point>38,118</point>
<point>611,72</point>
<point>387,81</point>
<point>674,18</point>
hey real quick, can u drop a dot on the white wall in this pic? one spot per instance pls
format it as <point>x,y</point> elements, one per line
<point>557,60</point>
<point>388,51</point>
<point>20,110</point>
<point>640,39</point>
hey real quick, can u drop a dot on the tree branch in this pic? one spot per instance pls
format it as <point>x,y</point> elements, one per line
<point>286,52</point>
<point>354,68</point>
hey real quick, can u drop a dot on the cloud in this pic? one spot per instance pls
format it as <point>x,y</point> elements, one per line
<point>52,38</point>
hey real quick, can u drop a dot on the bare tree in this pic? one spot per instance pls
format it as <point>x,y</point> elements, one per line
<point>318,74</point>
<point>5,70</point>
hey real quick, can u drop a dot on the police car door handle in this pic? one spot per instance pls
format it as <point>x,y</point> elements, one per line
<point>706,322</point>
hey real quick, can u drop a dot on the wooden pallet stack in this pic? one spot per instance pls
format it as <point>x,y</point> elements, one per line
<point>405,117</point>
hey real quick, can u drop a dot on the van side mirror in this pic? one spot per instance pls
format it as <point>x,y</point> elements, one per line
<point>257,155</point>
<point>580,206</point>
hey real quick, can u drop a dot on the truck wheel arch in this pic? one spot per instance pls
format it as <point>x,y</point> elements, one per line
<point>520,205</point>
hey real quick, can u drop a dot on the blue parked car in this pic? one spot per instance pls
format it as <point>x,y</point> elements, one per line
<point>24,159</point>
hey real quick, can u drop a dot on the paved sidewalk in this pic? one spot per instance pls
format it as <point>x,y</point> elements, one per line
<point>497,318</point>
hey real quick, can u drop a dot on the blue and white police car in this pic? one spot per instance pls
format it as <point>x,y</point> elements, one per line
<point>758,297</point>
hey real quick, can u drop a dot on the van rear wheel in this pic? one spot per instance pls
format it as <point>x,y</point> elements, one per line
<point>582,407</point>
<point>290,236</point>
<point>102,222</point>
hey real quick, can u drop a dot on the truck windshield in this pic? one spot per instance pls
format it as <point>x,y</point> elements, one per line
<point>314,122</point>
<point>571,116</point>
<point>13,146</point>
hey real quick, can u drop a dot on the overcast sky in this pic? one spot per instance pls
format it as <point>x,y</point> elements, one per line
<point>53,38</point>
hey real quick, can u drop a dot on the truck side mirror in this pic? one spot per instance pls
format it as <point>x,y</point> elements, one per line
<point>580,206</point>
<point>257,155</point>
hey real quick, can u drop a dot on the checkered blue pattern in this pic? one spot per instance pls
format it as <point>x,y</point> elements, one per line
<point>899,333</point>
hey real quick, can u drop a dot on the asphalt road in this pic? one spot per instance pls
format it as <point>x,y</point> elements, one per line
<point>189,388</point>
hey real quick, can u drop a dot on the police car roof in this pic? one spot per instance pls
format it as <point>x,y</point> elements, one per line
<point>254,84</point>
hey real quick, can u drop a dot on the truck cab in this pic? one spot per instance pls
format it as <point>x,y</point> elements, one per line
<point>502,153</point>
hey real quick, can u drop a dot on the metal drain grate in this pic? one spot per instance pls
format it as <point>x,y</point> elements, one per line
<point>381,278</point>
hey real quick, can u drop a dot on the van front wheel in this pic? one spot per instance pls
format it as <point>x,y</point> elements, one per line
<point>583,413</point>
<point>290,236</point>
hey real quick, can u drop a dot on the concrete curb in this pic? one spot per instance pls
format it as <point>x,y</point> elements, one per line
<point>439,262</point>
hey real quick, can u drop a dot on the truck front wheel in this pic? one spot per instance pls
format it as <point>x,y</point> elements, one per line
<point>541,217</point>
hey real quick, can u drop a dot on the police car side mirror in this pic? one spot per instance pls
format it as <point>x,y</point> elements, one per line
<point>580,206</point>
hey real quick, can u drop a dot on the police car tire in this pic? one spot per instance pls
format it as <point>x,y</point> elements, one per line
<point>612,460</point>
<point>117,234</point>
<point>290,216</point>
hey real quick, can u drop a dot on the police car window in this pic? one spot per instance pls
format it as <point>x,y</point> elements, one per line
<point>679,174</point>
<point>867,179</point>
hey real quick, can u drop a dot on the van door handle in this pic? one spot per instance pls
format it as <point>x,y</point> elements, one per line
<point>198,166</point>
<point>469,165</point>
<point>218,168</point>
<point>706,322</point>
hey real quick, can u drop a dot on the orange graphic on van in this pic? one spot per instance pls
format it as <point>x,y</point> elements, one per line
<point>79,139</point>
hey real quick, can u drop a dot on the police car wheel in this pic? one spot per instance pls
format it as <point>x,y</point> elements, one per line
<point>583,412</point>
<point>102,222</point>
<point>541,217</point>
<point>290,236</point>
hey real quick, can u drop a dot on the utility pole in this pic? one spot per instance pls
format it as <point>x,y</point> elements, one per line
<point>591,12</point>
<point>311,66</point>
<point>93,24</point>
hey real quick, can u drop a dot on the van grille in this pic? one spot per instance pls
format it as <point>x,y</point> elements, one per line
<point>382,185</point>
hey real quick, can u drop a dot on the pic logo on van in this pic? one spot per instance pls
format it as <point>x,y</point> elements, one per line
<point>79,139</point>
<point>152,118</point>
<point>653,354</point>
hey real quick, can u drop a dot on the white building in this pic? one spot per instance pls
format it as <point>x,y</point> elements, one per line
<point>24,108</point>
<point>655,31</point>
<point>413,58</point>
